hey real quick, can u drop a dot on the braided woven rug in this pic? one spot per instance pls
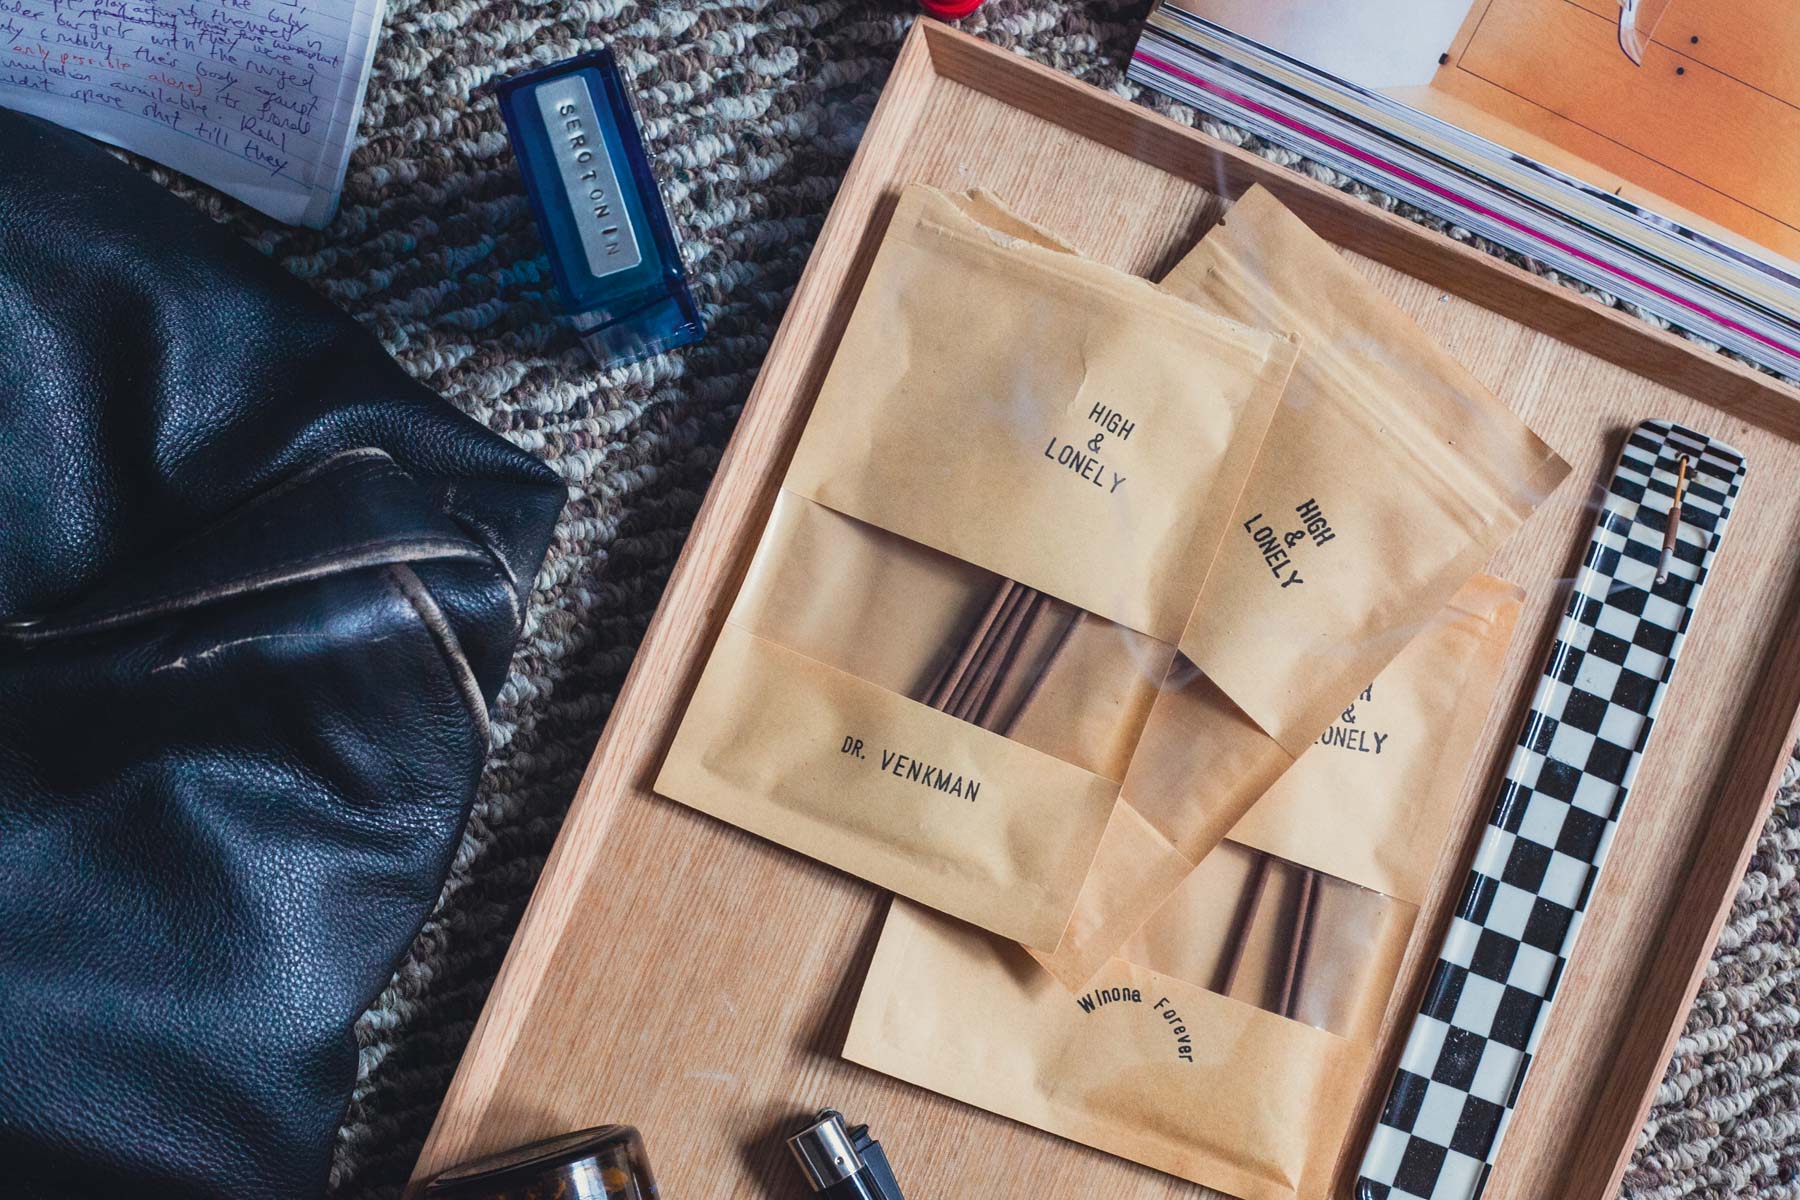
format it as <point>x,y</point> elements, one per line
<point>753,109</point>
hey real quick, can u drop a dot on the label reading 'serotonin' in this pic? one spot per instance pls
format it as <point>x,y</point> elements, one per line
<point>578,142</point>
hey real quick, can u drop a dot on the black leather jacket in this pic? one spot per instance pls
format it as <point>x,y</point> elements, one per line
<point>257,588</point>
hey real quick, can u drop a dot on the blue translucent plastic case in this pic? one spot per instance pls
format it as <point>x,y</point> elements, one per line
<point>602,219</point>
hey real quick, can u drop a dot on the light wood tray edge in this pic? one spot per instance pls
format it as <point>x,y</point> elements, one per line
<point>712,562</point>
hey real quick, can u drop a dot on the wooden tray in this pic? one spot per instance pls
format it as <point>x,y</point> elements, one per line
<point>682,976</point>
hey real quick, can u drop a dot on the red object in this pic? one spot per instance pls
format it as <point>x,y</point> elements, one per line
<point>950,10</point>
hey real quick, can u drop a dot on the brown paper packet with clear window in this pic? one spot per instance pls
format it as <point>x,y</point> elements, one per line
<point>1142,1065</point>
<point>1372,800</point>
<point>1261,1108</point>
<point>891,612</point>
<point>804,728</point>
<point>1369,802</point>
<point>1389,475</point>
<point>1001,414</point>
<point>1222,932</point>
<point>1044,416</point>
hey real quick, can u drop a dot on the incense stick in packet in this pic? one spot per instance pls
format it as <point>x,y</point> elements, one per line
<point>1228,1042</point>
<point>1013,481</point>
<point>1389,475</point>
<point>1361,820</point>
<point>1366,803</point>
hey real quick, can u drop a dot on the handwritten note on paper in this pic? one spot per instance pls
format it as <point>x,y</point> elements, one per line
<point>257,97</point>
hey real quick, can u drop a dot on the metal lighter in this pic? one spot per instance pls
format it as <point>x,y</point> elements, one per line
<point>843,1163</point>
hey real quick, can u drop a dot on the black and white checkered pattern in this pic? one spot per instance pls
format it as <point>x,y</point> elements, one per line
<point>1485,1008</point>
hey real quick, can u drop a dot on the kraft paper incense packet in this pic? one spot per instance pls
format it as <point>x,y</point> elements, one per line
<point>1011,487</point>
<point>1389,475</point>
<point>1143,858</point>
<point>1229,1039</point>
<point>1061,423</point>
<point>1141,1064</point>
<point>1364,814</point>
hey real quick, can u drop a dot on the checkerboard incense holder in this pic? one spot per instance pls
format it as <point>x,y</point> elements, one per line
<point>1489,998</point>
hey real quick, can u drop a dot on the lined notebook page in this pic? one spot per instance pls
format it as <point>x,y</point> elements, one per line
<point>259,98</point>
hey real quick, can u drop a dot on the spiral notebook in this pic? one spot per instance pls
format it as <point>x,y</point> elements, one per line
<point>259,98</point>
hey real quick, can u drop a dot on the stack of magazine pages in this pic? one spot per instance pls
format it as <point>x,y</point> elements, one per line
<point>1725,289</point>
